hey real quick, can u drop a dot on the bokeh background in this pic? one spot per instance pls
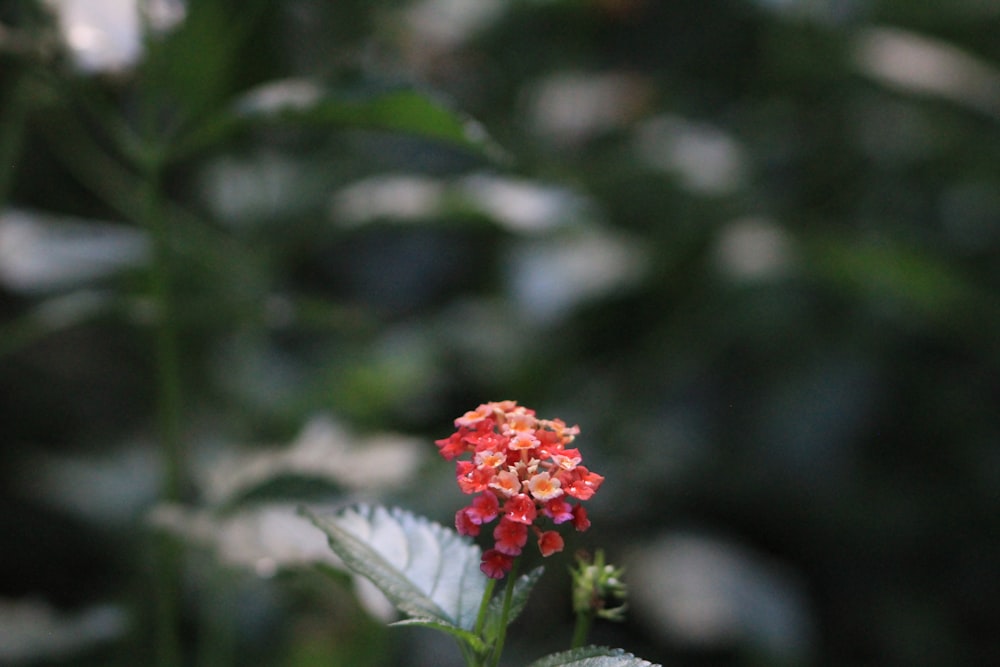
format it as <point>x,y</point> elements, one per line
<point>258,253</point>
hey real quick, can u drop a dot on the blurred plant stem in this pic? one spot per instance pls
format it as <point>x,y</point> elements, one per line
<point>165,339</point>
<point>14,107</point>
<point>168,409</point>
<point>168,383</point>
<point>217,646</point>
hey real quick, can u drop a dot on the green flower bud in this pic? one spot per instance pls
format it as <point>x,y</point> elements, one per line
<point>598,587</point>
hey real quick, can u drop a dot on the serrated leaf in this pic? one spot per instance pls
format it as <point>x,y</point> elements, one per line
<point>428,571</point>
<point>592,656</point>
<point>522,590</point>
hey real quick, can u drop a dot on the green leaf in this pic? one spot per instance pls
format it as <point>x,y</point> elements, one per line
<point>522,590</point>
<point>592,656</point>
<point>428,571</point>
<point>306,103</point>
<point>52,315</point>
<point>194,69</point>
<point>897,272</point>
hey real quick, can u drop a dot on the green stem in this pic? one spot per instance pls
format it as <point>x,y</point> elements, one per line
<point>474,658</point>
<point>217,647</point>
<point>151,159</point>
<point>168,413</point>
<point>167,558</point>
<point>508,595</point>
<point>168,407</point>
<point>484,605</point>
<point>167,355</point>
<point>582,628</point>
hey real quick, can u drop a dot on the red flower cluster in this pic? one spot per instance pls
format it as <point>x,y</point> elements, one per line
<point>522,470</point>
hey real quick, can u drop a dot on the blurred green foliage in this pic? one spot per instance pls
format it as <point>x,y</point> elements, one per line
<point>750,247</point>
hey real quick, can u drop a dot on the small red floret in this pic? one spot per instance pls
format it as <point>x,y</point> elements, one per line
<point>510,537</point>
<point>451,447</point>
<point>520,508</point>
<point>558,510</point>
<point>550,542</point>
<point>483,509</point>
<point>496,565</point>
<point>464,525</point>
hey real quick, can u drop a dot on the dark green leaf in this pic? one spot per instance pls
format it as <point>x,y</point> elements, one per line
<point>305,103</point>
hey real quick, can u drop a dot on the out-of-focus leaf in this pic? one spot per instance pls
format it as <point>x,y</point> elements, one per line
<point>428,571</point>
<point>264,539</point>
<point>894,272</point>
<point>52,315</point>
<point>285,486</point>
<point>324,460</point>
<point>305,103</point>
<point>592,656</point>
<point>195,68</point>
<point>914,63</point>
<point>32,630</point>
<point>42,253</point>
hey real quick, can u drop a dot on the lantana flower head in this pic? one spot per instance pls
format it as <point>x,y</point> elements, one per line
<point>522,470</point>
